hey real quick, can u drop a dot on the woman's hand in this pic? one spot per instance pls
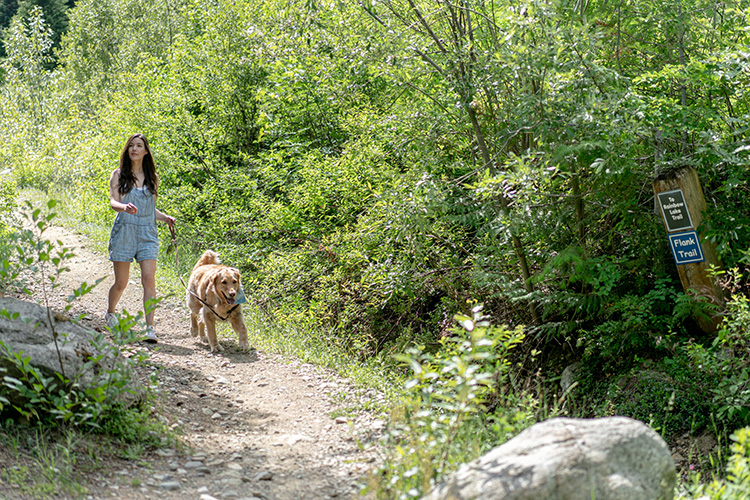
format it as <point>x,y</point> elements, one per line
<point>161,216</point>
<point>131,209</point>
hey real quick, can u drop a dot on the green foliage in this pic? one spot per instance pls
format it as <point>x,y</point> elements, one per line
<point>693,384</point>
<point>7,11</point>
<point>368,174</point>
<point>7,208</point>
<point>27,43</point>
<point>728,360</point>
<point>671,395</point>
<point>51,399</point>
<point>736,486</point>
<point>55,12</point>
<point>445,420</point>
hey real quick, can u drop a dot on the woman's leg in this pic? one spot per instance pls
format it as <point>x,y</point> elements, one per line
<point>148,280</point>
<point>122,273</point>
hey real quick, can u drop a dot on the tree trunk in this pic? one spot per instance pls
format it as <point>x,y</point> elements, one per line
<point>517,244</point>
<point>694,276</point>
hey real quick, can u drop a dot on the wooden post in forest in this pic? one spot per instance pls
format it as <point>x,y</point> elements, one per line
<point>682,205</point>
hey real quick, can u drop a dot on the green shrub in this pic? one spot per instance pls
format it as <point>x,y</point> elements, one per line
<point>671,395</point>
<point>728,358</point>
<point>674,384</point>
<point>7,207</point>
<point>444,420</point>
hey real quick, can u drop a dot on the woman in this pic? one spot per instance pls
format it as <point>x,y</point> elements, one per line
<point>132,193</point>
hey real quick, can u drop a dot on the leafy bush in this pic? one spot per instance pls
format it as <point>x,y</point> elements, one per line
<point>728,360</point>
<point>674,384</point>
<point>671,395</point>
<point>7,207</point>
<point>445,421</point>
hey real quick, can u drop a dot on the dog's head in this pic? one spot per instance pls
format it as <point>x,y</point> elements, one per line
<point>227,284</point>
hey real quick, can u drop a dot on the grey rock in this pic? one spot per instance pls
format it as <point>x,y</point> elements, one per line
<point>265,475</point>
<point>613,458</point>
<point>171,485</point>
<point>193,464</point>
<point>569,376</point>
<point>28,328</point>
<point>233,481</point>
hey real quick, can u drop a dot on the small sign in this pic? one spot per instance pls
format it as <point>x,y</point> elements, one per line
<point>674,210</point>
<point>686,247</point>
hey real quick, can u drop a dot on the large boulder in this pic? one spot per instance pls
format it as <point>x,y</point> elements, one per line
<point>614,458</point>
<point>25,327</point>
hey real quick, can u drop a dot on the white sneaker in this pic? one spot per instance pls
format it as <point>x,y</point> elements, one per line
<point>150,335</point>
<point>111,319</point>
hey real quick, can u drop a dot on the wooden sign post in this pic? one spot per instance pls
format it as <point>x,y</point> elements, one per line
<point>682,205</point>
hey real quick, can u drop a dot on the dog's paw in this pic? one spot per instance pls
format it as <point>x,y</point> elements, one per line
<point>216,348</point>
<point>244,346</point>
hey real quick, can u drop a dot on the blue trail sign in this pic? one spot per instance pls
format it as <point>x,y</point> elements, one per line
<point>686,247</point>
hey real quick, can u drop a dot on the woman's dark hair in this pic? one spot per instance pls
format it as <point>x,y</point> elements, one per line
<point>127,179</point>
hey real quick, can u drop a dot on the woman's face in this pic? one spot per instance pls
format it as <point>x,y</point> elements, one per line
<point>137,150</point>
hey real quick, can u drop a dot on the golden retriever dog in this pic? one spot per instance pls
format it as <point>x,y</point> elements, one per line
<point>217,286</point>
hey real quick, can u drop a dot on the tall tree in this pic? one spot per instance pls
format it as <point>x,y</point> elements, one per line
<point>455,39</point>
<point>55,14</point>
<point>7,11</point>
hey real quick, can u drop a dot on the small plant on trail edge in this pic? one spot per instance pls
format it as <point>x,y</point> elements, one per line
<point>444,420</point>
<point>736,486</point>
<point>37,396</point>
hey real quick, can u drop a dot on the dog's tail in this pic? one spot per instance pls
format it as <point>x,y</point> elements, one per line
<point>208,257</point>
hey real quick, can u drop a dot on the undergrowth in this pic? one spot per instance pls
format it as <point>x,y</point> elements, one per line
<point>735,483</point>
<point>444,419</point>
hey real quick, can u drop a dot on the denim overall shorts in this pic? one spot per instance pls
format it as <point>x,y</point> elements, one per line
<point>134,236</point>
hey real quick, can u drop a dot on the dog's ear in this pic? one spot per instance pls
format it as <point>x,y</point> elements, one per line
<point>237,276</point>
<point>211,287</point>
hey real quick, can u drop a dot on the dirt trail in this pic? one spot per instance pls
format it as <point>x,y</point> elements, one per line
<point>255,425</point>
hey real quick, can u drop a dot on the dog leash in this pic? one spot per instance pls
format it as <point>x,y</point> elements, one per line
<point>177,262</point>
